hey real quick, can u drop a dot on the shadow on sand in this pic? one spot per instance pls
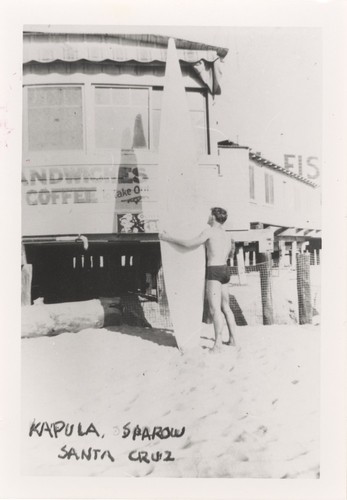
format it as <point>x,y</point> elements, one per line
<point>159,336</point>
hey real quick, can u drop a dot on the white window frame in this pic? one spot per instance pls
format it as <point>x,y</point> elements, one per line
<point>25,134</point>
<point>251,179</point>
<point>269,189</point>
<point>89,154</point>
<point>91,114</point>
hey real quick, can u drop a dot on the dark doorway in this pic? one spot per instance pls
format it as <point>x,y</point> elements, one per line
<point>66,272</point>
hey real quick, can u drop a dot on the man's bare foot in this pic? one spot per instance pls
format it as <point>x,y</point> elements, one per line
<point>218,346</point>
<point>230,342</point>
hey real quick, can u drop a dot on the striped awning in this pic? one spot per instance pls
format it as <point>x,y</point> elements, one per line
<point>48,47</point>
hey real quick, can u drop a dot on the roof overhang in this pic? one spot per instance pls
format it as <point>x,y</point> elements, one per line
<point>48,47</point>
<point>143,39</point>
<point>69,239</point>
<point>252,235</point>
<point>299,234</point>
<point>255,157</point>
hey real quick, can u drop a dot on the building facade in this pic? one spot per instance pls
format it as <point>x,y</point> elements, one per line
<point>91,121</point>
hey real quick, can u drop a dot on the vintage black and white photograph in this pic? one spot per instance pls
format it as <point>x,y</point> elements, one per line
<point>171,251</point>
<point>173,248</point>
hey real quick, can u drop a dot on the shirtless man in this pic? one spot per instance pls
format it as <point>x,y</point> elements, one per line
<point>218,246</point>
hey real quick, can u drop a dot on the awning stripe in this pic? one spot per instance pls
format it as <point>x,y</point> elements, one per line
<point>46,51</point>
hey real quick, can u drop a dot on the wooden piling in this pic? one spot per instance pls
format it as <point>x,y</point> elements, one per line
<point>304,288</point>
<point>266,288</point>
<point>241,271</point>
<point>294,253</point>
<point>27,274</point>
<point>282,253</point>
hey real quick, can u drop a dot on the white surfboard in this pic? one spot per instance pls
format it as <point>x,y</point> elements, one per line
<point>181,213</point>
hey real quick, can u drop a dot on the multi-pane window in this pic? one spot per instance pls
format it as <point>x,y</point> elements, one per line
<point>197,109</point>
<point>157,95</point>
<point>251,182</point>
<point>121,117</point>
<point>198,112</point>
<point>117,118</point>
<point>55,120</point>
<point>269,189</point>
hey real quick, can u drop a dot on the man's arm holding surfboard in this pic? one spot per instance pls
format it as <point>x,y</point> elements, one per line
<point>190,242</point>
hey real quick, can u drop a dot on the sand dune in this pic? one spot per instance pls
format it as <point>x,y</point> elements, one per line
<point>249,411</point>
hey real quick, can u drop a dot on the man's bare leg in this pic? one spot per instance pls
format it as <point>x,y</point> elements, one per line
<point>214,297</point>
<point>228,314</point>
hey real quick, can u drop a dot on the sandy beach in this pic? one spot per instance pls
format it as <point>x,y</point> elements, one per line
<point>250,411</point>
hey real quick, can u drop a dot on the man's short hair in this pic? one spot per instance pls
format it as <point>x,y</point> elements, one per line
<point>220,214</point>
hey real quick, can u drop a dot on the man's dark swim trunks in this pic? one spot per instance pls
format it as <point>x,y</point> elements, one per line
<point>218,273</point>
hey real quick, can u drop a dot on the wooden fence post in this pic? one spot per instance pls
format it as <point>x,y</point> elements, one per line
<point>282,253</point>
<point>266,288</point>
<point>294,253</point>
<point>241,271</point>
<point>27,273</point>
<point>304,288</point>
